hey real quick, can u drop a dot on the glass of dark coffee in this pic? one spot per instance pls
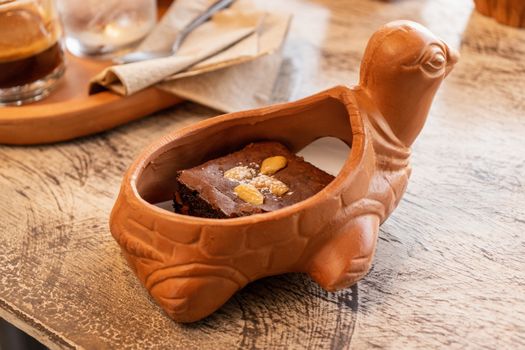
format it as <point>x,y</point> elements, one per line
<point>31,54</point>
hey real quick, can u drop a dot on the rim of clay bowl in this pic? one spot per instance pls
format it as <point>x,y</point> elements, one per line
<point>343,94</point>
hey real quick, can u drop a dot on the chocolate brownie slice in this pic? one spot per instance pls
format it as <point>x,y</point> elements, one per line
<point>235,185</point>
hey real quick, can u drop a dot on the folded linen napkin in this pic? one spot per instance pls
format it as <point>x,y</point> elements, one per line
<point>216,64</point>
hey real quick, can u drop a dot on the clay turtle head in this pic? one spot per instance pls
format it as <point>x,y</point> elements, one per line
<point>402,68</point>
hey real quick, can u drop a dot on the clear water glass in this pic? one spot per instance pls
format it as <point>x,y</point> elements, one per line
<point>106,27</point>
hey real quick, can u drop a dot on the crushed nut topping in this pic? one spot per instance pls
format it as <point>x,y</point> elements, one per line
<point>249,194</point>
<point>271,165</point>
<point>240,173</point>
<point>268,183</point>
<point>252,181</point>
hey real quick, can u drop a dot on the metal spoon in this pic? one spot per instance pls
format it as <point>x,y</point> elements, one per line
<point>147,55</point>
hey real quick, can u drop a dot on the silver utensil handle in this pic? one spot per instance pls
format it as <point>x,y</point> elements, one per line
<point>145,55</point>
<point>217,6</point>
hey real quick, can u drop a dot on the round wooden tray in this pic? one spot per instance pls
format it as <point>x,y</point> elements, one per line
<point>69,112</point>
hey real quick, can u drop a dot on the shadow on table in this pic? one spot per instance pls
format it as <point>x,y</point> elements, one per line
<point>276,311</point>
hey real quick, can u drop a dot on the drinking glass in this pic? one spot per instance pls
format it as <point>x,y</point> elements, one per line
<point>31,55</point>
<point>106,27</point>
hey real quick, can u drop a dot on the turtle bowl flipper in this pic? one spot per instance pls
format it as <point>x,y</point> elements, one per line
<point>192,265</point>
<point>191,298</point>
<point>347,256</point>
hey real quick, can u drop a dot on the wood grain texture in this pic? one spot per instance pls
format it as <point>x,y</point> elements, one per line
<point>449,270</point>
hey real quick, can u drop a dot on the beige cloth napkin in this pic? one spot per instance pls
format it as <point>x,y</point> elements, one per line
<point>220,64</point>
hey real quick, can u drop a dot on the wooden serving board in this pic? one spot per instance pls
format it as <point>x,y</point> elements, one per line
<point>69,112</point>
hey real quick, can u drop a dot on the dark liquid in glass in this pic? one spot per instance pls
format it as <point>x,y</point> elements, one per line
<point>17,72</point>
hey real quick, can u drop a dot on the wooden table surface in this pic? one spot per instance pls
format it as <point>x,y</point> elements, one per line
<point>449,271</point>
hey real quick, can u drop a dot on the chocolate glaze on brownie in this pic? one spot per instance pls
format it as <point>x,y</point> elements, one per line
<point>204,191</point>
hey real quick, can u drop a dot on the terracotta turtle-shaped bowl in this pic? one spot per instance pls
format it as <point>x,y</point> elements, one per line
<point>191,266</point>
<point>509,12</point>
